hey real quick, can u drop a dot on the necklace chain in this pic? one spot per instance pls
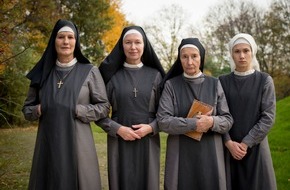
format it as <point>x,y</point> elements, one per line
<point>61,80</point>
<point>135,90</point>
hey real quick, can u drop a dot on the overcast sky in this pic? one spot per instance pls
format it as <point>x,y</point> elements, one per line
<point>138,11</point>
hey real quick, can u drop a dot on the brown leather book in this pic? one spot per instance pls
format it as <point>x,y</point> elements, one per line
<point>197,108</point>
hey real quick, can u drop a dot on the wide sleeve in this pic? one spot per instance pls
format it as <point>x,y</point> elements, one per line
<point>107,124</point>
<point>30,106</point>
<point>223,120</point>
<point>267,115</point>
<point>154,101</point>
<point>98,105</point>
<point>166,114</point>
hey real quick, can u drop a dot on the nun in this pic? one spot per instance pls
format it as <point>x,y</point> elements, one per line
<point>132,74</point>
<point>252,103</point>
<point>66,93</point>
<point>192,164</point>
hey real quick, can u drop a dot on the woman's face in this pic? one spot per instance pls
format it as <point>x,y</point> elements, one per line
<point>133,48</point>
<point>65,43</point>
<point>190,60</point>
<point>242,56</point>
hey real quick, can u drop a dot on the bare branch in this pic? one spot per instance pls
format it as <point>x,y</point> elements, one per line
<point>15,55</point>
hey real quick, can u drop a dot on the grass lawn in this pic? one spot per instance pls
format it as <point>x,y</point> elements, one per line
<point>279,140</point>
<point>16,151</point>
<point>17,145</point>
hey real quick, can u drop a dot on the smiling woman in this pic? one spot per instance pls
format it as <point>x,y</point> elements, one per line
<point>133,46</point>
<point>65,45</point>
<point>132,73</point>
<point>66,93</point>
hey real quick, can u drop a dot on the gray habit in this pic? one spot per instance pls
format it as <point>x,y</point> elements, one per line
<point>192,164</point>
<point>65,154</point>
<point>133,165</point>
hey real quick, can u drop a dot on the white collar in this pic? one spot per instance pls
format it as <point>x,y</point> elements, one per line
<point>244,73</point>
<point>192,77</point>
<point>133,66</point>
<point>71,63</point>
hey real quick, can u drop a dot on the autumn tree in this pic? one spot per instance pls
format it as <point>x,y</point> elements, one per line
<point>92,20</point>
<point>25,28</point>
<point>23,35</point>
<point>111,36</point>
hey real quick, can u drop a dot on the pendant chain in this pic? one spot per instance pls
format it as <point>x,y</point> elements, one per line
<point>135,90</point>
<point>61,80</point>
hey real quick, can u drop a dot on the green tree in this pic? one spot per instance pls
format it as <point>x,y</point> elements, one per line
<point>276,40</point>
<point>270,29</point>
<point>25,32</point>
<point>93,21</point>
<point>222,23</point>
<point>25,28</point>
<point>13,91</point>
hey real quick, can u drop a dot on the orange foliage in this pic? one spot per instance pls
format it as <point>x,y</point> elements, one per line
<point>5,30</point>
<point>119,22</point>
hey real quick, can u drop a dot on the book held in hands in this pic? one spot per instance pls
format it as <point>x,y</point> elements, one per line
<point>197,108</point>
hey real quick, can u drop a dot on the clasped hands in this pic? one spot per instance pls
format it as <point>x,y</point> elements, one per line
<point>134,133</point>
<point>237,150</point>
<point>204,122</point>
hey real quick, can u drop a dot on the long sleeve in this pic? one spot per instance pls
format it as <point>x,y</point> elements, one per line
<point>268,110</point>
<point>166,118</point>
<point>98,105</point>
<point>107,124</point>
<point>170,123</point>
<point>29,109</point>
<point>111,126</point>
<point>153,105</point>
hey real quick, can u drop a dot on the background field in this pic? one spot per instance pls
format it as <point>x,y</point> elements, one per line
<point>17,145</point>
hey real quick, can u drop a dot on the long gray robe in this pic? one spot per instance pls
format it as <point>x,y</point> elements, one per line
<point>133,165</point>
<point>192,164</point>
<point>252,103</point>
<point>88,104</point>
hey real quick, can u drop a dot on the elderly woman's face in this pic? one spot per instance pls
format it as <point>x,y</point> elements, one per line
<point>190,60</point>
<point>242,56</point>
<point>65,43</point>
<point>133,48</point>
